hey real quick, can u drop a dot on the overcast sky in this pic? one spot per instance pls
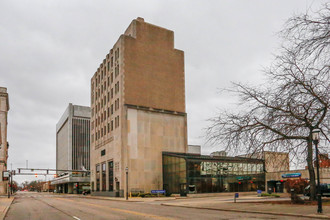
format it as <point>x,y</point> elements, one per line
<point>49,50</point>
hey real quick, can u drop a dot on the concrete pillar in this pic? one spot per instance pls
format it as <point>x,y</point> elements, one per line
<point>70,188</point>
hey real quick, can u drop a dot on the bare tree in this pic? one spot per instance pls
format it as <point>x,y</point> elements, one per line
<point>280,114</point>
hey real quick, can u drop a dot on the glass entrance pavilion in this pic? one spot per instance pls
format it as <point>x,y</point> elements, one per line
<point>191,173</point>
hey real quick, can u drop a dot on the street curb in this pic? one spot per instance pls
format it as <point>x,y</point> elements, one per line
<point>6,210</point>
<point>113,199</point>
<point>253,212</point>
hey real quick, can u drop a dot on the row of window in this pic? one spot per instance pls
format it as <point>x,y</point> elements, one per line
<point>106,129</point>
<point>107,112</point>
<point>102,76</point>
<point>102,175</point>
<point>106,68</point>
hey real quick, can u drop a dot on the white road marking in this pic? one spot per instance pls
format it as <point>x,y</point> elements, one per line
<point>76,217</point>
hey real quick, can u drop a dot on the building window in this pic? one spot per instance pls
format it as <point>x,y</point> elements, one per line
<point>97,177</point>
<point>110,167</point>
<point>108,127</point>
<point>108,112</point>
<point>117,122</point>
<point>117,104</point>
<point>111,125</point>
<point>112,93</point>
<point>102,152</point>
<point>112,109</point>
<point>104,180</point>
<point>111,61</point>
<point>116,71</point>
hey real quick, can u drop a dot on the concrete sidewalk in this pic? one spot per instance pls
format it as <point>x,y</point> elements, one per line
<point>4,205</point>
<point>307,211</point>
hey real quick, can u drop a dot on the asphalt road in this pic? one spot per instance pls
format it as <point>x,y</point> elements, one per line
<point>50,206</point>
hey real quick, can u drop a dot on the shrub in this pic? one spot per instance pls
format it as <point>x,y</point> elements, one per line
<point>297,184</point>
<point>267,194</point>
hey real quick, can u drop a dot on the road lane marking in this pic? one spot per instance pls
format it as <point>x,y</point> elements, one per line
<point>76,217</point>
<point>122,210</point>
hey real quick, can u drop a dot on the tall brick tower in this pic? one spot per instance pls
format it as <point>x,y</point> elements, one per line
<point>138,110</point>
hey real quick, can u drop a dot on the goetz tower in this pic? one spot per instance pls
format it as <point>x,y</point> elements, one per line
<point>138,110</point>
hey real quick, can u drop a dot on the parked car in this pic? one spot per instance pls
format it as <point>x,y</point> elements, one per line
<point>325,189</point>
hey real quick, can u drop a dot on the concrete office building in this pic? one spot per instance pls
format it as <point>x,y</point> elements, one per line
<point>138,110</point>
<point>4,108</point>
<point>73,149</point>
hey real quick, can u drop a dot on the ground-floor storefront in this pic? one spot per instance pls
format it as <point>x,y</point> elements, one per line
<point>275,181</point>
<point>189,173</point>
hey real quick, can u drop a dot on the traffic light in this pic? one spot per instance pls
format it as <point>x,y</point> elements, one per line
<point>36,175</point>
<point>239,183</point>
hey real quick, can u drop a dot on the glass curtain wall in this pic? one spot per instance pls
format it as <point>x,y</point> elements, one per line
<point>206,176</point>
<point>219,176</point>
<point>175,176</point>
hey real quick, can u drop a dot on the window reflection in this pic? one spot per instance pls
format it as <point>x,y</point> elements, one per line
<point>211,176</point>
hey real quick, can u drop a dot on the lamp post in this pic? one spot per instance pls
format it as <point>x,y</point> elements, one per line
<point>126,183</point>
<point>316,139</point>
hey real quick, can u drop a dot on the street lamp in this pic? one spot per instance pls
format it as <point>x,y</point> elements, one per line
<point>126,183</point>
<point>316,139</point>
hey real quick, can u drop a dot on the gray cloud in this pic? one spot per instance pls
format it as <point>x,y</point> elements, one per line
<point>51,49</point>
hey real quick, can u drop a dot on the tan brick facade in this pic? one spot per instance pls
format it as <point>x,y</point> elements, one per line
<point>4,108</point>
<point>138,109</point>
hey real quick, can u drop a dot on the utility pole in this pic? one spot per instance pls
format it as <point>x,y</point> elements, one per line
<point>316,140</point>
<point>126,183</point>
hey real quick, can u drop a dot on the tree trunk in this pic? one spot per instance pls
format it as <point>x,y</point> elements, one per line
<point>311,170</point>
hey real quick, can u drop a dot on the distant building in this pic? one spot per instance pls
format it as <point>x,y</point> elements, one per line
<point>219,154</point>
<point>73,149</point>
<point>194,149</point>
<point>4,108</point>
<point>274,161</point>
<point>138,110</point>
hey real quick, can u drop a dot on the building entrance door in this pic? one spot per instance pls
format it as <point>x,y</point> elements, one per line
<point>117,189</point>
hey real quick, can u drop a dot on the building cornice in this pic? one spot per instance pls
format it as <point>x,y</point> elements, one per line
<point>149,109</point>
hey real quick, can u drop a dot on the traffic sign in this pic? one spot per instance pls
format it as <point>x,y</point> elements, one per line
<point>158,191</point>
<point>291,175</point>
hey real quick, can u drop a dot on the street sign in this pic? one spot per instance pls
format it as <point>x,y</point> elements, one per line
<point>158,191</point>
<point>243,178</point>
<point>5,175</point>
<point>291,175</point>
